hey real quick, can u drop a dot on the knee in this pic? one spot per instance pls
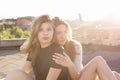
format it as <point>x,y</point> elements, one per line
<point>99,60</point>
<point>15,73</point>
<point>114,72</point>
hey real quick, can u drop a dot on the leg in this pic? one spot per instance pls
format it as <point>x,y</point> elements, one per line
<point>117,75</point>
<point>18,75</point>
<point>89,71</point>
<point>97,66</point>
<point>104,71</point>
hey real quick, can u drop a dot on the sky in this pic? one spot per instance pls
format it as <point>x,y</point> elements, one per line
<point>66,9</point>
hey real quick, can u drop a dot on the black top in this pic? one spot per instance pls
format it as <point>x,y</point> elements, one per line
<point>44,61</point>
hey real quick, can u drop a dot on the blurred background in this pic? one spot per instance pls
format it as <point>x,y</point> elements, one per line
<point>95,24</point>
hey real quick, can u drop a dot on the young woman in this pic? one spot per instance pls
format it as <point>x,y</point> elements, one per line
<point>72,48</point>
<point>41,47</point>
<point>97,66</point>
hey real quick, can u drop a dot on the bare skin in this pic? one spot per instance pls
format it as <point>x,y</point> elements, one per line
<point>116,74</point>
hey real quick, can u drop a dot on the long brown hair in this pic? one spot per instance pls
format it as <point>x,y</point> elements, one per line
<point>69,46</point>
<point>33,44</point>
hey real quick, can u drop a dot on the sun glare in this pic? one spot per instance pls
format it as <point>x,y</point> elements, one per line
<point>68,9</point>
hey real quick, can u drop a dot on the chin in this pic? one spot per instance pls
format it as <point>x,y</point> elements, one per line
<point>62,44</point>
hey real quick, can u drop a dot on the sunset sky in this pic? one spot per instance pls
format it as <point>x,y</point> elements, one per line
<point>67,9</point>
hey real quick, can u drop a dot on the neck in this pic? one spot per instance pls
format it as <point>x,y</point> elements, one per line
<point>45,45</point>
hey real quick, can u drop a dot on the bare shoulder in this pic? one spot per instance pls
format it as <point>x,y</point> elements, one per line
<point>77,45</point>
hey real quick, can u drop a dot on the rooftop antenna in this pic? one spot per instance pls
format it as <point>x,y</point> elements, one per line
<point>80,18</point>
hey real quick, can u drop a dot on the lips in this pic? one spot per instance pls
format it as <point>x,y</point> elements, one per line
<point>45,38</point>
<point>62,40</point>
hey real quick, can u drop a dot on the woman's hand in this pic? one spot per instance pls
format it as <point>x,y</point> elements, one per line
<point>63,60</point>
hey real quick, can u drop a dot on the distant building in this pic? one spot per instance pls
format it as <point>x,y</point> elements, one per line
<point>8,22</point>
<point>24,23</point>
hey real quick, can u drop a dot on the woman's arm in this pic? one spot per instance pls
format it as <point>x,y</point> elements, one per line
<point>53,74</point>
<point>24,46</point>
<point>78,63</point>
<point>78,57</point>
<point>27,67</point>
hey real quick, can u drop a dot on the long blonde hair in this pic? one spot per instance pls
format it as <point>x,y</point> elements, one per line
<point>33,43</point>
<point>70,44</point>
<point>58,21</point>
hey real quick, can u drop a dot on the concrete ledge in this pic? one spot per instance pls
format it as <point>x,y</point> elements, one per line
<point>11,42</point>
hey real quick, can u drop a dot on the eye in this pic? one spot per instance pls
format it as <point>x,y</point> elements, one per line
<point>65,32</point>
<point>40,29</point>
<point>49,29</point>
<point>58,33</point>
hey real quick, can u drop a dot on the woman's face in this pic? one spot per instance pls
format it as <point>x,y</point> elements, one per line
<point>45,33</point>
<point>61,34</point>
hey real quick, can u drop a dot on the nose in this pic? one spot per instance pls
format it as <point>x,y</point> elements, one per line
<point>63,36</point>
<point>45,33</point>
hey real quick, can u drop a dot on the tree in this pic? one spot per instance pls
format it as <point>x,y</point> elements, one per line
<point>14,32</point>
